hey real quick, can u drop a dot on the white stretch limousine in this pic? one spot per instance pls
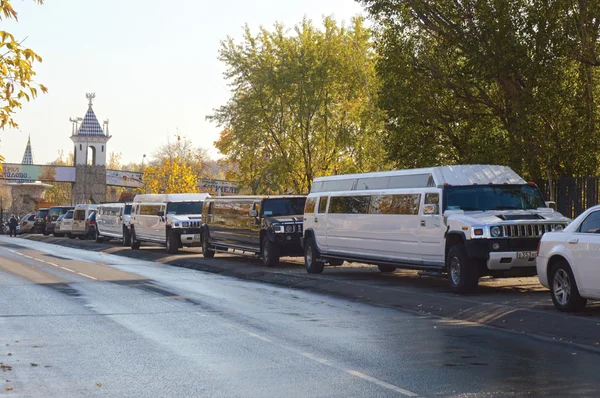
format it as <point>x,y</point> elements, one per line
<point>173,220</point>
<point>112,220</point>
<point>463,221</point>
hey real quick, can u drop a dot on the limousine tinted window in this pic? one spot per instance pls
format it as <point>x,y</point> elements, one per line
<point>372,183</point>
<point>310,205</point>
<point>349,204</point>
<point>149,210</point>
<point>411,181</point>
<point>179,208</point>
<point>323,204</point>
<point>127,209</point>
<point>395,204</point>
<point>338,185</point>
<point>284,206</point>
<point>378,204</point>
<point>79,215</point>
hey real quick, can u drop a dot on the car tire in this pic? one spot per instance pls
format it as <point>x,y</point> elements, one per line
<point>335,262</point>
<point>98,237</point>
<point>269,253</point>
<point>172,243</point>
<point>311,258</point>
<point>126,237</point>
<point>81,237</point>
<point>386,269</point>
<point>463,275</point>
<point>71,236</point>
<point>563,288</point>
<point>135,244</point>
<point>206,251</point>
<point>46,233</point>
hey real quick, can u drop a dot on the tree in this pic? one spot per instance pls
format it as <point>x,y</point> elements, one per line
<point>490,81</point>
<point>16,71</point>
<point>170,176</point>
<point>302,105</point>
<point>61,192</point>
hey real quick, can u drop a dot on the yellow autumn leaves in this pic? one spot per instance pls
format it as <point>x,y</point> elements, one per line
<point>171,176</point>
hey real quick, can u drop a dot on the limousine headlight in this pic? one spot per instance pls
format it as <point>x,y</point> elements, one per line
<point>289,229</point>
<point>558,228</point>
<point>278,228</point>
<point>496,232</point>
<point>185,224</point>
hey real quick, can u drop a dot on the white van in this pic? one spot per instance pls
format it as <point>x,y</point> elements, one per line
<point>462,221</point>
<point>80,214</point>
<point>173,220</point>
<point>112,222</point>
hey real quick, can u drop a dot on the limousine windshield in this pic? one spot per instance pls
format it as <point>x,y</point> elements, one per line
<point>494,197</point>
<point>181,208</point>
<point>127,209</point>
<point>283,207</point>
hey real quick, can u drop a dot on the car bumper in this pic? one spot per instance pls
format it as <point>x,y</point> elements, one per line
<point>191,239</point>
<point>289,244</point>
<point>508,260</point>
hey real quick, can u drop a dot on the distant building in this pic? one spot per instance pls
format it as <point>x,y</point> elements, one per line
<point>28,155</point>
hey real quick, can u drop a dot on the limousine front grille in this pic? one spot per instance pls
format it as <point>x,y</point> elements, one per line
<point>527,230</point>
<point>195,224</point>
<point>295,228</point>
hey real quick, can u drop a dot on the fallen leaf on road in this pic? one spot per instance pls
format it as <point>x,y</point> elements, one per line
<point>8,388</point>
<point>99,384</point>
<point>5,368</point>
<point>36,346</point>
<point>10,354</point>
<point>33,364</point>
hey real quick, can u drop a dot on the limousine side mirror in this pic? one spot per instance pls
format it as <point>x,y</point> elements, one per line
<point>551,204</point>
<point>160,213</point>
<point>430,210</point>
<point>253,213</point>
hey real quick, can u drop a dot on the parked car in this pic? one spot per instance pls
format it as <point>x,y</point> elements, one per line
<point>568,262</point>
<point>27,223</point>
<point>57,225</point>
<point>39,225</point>
<point>112,222</point>
<point>268,227</point>
<point>53,214</point>
<point>66,224</point>
<point>80,215</point>
<point>172,220</point>
<point>464,222</point>
<point>90,226</point>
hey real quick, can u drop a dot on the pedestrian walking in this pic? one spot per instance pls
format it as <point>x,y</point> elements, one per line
<point>12,224</point>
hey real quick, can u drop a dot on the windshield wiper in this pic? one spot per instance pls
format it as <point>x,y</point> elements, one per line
<point>471,209</point>
<point>508,208</point>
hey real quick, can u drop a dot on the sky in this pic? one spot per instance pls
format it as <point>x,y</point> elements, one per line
<point>151,63</point>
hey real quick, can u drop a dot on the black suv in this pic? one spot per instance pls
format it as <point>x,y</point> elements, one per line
<point>268,227</point>
<point>39,226</point>
<point>52,216</point>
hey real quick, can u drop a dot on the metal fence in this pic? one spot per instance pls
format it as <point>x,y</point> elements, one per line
<point>573,195</point>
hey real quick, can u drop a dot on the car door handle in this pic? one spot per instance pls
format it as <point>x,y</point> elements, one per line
<point>423,223</point>
<point>573,241</point>
<point>316,219</point>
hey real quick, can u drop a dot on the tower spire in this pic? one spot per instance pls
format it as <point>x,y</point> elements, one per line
<point>28,155</point>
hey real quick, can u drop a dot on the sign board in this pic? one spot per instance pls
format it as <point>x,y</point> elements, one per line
<point>127,179</point>
<point>218,187</point>
<point>32,173</point>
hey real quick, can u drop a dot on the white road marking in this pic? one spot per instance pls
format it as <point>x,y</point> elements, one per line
<point>87,276</point>
<point>326,362</point>
<point>68,269</point>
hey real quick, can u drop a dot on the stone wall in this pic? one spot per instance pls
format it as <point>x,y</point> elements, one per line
<point>90,184</point>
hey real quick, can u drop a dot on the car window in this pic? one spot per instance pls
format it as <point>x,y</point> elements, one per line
<point>322,204</point>
<point>591,225</point>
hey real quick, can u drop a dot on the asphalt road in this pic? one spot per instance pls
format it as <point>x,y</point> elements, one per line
<point>80,323</point>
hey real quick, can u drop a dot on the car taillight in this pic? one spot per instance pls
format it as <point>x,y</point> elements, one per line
<point>538,250</point>
<point>92,223</point>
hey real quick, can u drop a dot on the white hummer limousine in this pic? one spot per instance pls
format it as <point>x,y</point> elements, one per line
<point>173,220</point>
<point>463,221</point>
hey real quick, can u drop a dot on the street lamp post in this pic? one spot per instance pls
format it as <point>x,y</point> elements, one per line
<point>143,158</point>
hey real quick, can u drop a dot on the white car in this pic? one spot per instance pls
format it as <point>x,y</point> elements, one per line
<point>568,262</point>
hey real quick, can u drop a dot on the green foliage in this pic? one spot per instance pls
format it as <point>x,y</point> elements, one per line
<point>303,105</point>
<point>494,81</point>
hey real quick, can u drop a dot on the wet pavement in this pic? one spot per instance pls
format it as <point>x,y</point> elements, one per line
<point>87,323</point>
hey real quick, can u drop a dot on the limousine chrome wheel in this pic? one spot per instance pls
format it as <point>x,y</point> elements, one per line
<point>565,294</point>
<point>463,274</point>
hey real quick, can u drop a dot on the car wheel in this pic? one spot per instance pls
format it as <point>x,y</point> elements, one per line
<point>71,236</point>
<point>269,253</point>
<point>563,288</point>
<point>98,237</point>
<point>46,233</point>
<point>463,276</point>
<point>126,237</point>
<point>135,244</point>
<point>172,243</point>
<point>311,258</point>
<point>206,251</point>
<point>386,268</point>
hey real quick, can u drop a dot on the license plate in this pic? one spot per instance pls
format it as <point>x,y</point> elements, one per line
<point>526,255</point>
